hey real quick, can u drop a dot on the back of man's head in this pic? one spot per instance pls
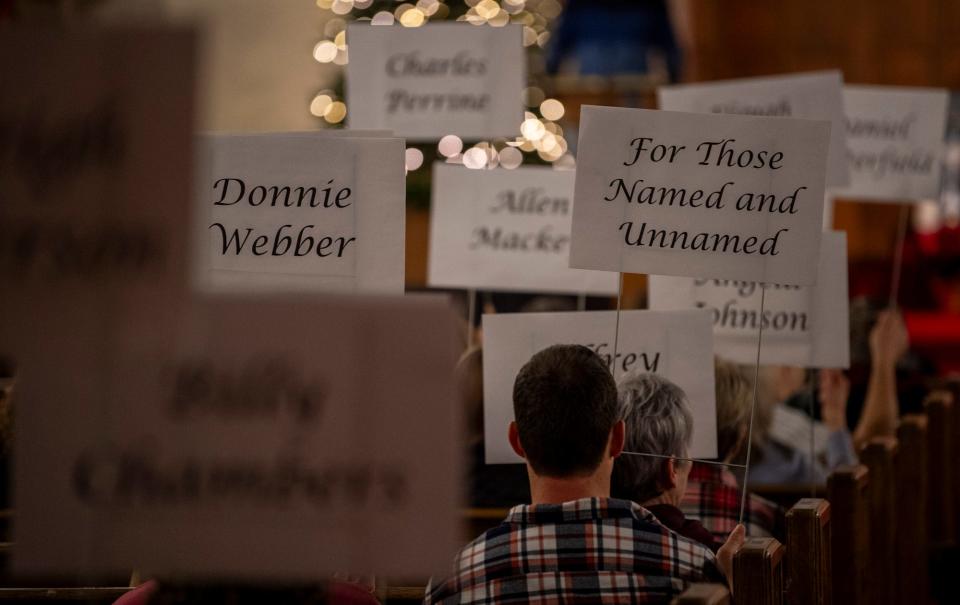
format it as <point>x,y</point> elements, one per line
<point>565,405</point>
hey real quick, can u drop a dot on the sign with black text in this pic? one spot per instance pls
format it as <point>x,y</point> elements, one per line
<point>506,230</point>
<point>193,446</point>
<point>442,78</point>
<point>895,142</point>
<point>700,195</point>
<point>810,96</point>
<point>677,345</point>
<point>299,212</point>
<point>804,326</point>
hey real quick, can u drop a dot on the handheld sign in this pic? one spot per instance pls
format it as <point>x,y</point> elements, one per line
<point>443,78</point>
<point>811,96</point>
<point>677,345</point>
<point>320,434</point>
<point>806,326</point>
<point>699,195</point>
<point>94,184</point>
<point>299,212</point>
<point>895,142</point>
<point>506,230</point>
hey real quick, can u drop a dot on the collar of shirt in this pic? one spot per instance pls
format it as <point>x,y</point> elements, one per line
<point>584,509</point>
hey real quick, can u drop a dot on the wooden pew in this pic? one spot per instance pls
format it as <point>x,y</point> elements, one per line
<point>704,594</point>
<point>758,573</point>
<point>399,595</point>
<point>953,385</point>
<point>808,553</point>
<point>911,506</point>
<point>880,458</point>
<point>941,458</point>
<point>847,489</point>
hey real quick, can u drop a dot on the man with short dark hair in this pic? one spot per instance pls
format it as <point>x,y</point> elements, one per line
<point>573,543</point>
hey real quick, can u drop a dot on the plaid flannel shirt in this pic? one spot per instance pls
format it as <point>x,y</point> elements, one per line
<point>713,498</point>
<point>593,550</point>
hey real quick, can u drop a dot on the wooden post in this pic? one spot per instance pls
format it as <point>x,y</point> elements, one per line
<point>911,530</point>
<point>940,469</point>
<point>808,559</point>
<point>847,492</point>
<point>758,573</point>
<point>704,594</point>
<point>879,455</point>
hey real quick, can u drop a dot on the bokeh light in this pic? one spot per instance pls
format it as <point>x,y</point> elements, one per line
<point>450,145</point>
<point>552,109</point>
<point>335,112</point>
<point>510,158</point>
<point>413,158</point>
<point>532,129</point>
<point>319,105</point>
<point>325,51</point>
<point>475,158</point>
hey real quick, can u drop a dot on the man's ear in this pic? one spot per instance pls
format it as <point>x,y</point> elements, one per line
<point>617,439</point>
<point>513,434</point>
<point>668,474</point>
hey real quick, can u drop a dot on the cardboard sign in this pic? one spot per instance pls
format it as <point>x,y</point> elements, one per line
<point>700,195</point>
<point>300,212</point>
<point>677,345</point>
<point>811,96</point>
<point>806,326</point>
<point>222,444</point>
<point>443,78</point>
<point>894,142</point>
<point>506,230</point>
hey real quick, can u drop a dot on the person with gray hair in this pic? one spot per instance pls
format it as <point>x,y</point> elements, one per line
<point>658,421</point>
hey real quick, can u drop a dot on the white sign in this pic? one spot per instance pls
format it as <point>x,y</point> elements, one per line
<point>700,195</point>
<point>319,433</point>
<point>443,78</point>
<point>677,345</point>
<point>895,142</point>
<point>805,326</point>
<point>506,230</point>
<point>300,212</point>
<point>811,96</point>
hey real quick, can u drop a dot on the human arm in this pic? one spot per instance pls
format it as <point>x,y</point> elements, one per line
<point>888,343</point>
<point>834,391</point>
